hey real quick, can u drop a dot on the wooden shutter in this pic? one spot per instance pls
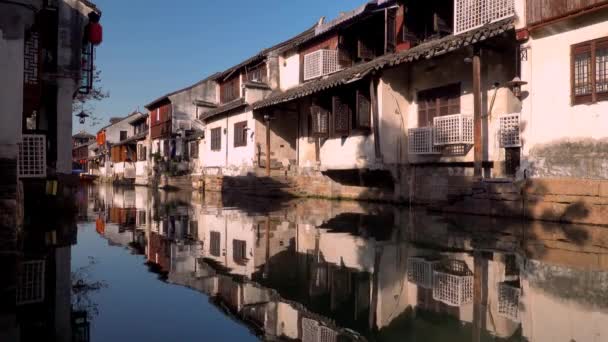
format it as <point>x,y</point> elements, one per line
<point>364,50</point>
<point>390,30</point>
<point>214,243</point>
<point>240,134</point>
<point>364,109</point>
<point>239,251</point>
<point>342,115</point>
<point>581,73</point>
<point>319,117</point>
<point>216,139</point>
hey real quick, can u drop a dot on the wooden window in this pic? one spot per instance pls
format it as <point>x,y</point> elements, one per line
<point>363,117</point>
<point>123,135</point>
<point>342,112</point>
<point>438,102</point>
<point>257,74</point>
<point>214,244</point>
<point>589,71</point>
<point>319,119</point>
<point>239,251</point>
<point>216,139</point>
<point>390,30</point>
<point>141,152</point>
<point>194,149</point>
<point>229,90</point>
<point>240,134</point>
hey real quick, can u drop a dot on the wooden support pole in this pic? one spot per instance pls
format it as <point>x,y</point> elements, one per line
<point>477,131</point>
<point>267,145</point>
<point>375,118</point>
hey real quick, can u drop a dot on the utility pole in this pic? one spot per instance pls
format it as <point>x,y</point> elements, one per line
<point>477,132</point>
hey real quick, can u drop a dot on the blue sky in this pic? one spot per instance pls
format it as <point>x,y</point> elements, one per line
<point>152,47</point>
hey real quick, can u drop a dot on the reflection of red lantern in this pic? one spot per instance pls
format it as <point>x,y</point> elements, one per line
<point>95,33</point>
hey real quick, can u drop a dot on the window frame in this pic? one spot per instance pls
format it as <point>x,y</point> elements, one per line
<point>215,137</point>
<point>431,99</point>
<point>240,134</point>
<point>590,47</point>
<point>363,102</point>
<point>318,110</point>
<point>342,111</point>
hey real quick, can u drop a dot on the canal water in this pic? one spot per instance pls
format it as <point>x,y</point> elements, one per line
<point>144,265</point>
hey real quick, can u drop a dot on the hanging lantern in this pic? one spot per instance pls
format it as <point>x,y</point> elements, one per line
<point>515,86</point>
<point>95,33</point>
<point>82,116</point>
<point>94,30</point>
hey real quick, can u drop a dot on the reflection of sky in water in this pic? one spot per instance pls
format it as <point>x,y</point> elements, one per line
<point>136,306</point>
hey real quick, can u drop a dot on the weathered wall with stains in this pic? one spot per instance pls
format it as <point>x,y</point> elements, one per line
<point>452,68</point>
<point>229,160</point>
<point>561,139</point>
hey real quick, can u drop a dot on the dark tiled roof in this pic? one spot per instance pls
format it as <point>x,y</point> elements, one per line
<point>232,105</point>
<point>426,50</point>
<point>83,135</point>
<point>166,96</point>
<point>133,139</point>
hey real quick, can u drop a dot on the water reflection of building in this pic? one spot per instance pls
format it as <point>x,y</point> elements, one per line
<point>317,270</point>
<point>35,289</point>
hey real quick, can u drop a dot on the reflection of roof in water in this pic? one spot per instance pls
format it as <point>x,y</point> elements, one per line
<point>378,226</point>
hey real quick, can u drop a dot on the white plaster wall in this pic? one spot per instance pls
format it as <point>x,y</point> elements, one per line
<point>289,70</point>
<point>349,250</point>
<point>452,69</point>
<point>113,131</point>
<point>235,158</point>
<point>548,114</point>
<point>287,320</point>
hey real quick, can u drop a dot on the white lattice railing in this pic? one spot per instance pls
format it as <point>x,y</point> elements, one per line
<point>453,285</point>
<point>508,301</point>
<point>320,63</point>
<point>312,331</point>
<point>420,271</point>
<point>130,170</point>
<point>509,133</point>
<point>30,286</point>
<point>420,141</point>
<point>453,129</point>
<point>31,162</point>
<point>471,14</point>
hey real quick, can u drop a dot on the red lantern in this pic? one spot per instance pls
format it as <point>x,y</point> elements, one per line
<point>95,33</point>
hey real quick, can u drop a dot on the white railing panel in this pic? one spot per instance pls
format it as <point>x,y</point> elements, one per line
<point>420,272</point>
<point>453,129</point>
<point>320,63</point>
<point>509,131</point>
<point>32,156</point>
<point>472,14</point>
<point>508,301</point>
<point>420,141</point>
<point>30,286</point>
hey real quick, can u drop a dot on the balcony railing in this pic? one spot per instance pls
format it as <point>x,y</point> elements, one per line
<point>420,141</point>
<point>320,63</point>
<point>453,129</point>
<point>472,14</point>
<point>32,156</point>
<point>509,131</point>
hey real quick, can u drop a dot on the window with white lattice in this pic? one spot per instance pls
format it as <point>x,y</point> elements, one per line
<point>31,162</point>
<point>472,14</point>
<point>30,284</point>
<point>320,63</point>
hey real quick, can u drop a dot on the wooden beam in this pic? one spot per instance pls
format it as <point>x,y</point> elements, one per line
<point>477,131</point>
<point>268,146</point>
<point>375,118</point>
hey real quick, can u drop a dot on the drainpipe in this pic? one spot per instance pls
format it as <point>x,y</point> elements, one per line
<point>478,147</point>
<point>267,120</point>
